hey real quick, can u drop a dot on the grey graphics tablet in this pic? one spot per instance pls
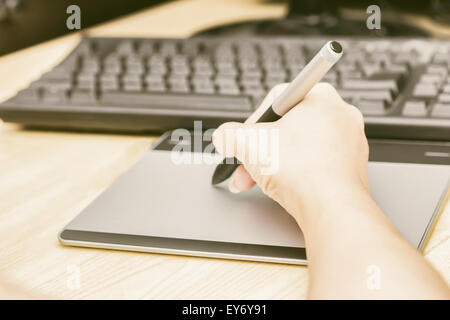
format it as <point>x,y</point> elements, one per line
<point>162,207</point>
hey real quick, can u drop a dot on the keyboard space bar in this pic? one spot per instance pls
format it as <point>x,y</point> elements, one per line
<point>176,101</point>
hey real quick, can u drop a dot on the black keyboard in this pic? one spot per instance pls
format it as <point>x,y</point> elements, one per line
<point>402,86</point>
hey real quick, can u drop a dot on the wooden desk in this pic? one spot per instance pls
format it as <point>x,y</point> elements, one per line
<point>47,178</point>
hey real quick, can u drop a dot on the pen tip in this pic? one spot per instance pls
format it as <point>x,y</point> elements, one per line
<point>223,172</point>
<point>216,179</point>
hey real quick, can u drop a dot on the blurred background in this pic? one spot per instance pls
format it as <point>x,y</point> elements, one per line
<point>27,22</point>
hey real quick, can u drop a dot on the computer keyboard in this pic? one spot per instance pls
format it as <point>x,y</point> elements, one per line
<point>401,86</point>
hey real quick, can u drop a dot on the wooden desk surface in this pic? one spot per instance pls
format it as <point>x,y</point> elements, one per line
<point>47,178</point>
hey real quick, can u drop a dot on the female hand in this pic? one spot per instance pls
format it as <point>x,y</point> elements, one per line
<point>321,156</point>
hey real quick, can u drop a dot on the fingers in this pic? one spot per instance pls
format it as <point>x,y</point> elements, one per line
<point>229,140</point>
<point>241,180</point>
<point>224,136</point>
<point>224,139</point>
<point>242,140</point>
<point>321,90</point>
<point>227,144</point>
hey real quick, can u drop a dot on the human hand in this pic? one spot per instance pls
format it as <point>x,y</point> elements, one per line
<point>322,153</point>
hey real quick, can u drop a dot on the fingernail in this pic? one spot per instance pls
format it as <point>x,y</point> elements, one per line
<point>232,187</point>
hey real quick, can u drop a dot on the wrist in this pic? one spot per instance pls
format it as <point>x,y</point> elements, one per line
<point>334,201</point>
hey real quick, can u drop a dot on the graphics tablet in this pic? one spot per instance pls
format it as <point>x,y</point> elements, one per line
<point>163,207</point>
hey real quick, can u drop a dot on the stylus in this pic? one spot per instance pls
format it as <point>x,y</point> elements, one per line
<point>311,74</point>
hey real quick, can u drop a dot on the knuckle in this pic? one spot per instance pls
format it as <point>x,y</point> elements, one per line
<point>322,90</point>
<point>325,87</point>
<point>228,126</point>
<point>357,115</point>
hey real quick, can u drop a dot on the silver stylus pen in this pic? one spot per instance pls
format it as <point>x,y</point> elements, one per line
<point>311,74</point>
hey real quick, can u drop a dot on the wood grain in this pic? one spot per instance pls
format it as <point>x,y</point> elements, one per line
<point>47,178</point>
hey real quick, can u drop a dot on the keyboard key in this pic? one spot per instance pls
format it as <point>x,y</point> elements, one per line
<point>177,79</point>
<point>156,87</point>
<point>441,110</point>
<point>409,58</point>
<point>109,77</point>
<point>441,57</point>
<point>85,48</point>
<point>131,77</point>
<point>415,109</point>
<point>398,77</point>
<point>371,69</point>
<point>204,88</point>
<point>270,82</point>
<point>437,69</point>
<point>80,96</point>
<point>181,70</point>
<point>228,72</point>
<point>385,95</point>
<point>109,85</point>
<point>133,86</point>
<point>444,98</point>
<point>372,107</point>
<point>58,74</point>
<point>225,79</point>
<point>369,84</point>
<point>273,66</point>
<point>179,60</point>
<point>398,68</point>
<point>29,95</point>
<point>344,67</point>
<point>125,48</point>
<point>180,87</point>
<point>87,85</point>
<point>146,48</point>
<point>112,68</point>
<point>53,95</point>
<point>189,48</point>
<point>156,61</point>
<point>431,78</point>
<point>177,101</point>
<point>250,80</point>
<point>169,49</point>
<point>202,61</point>
<point>204,70</point>
<point>352,75</point>
<point>330,76</point>
<point>52,84</point>
<point>135,68</point>
<point>228,89</point>
<point>154,78</point>
<point>425,90</point>
<point>91,65</point>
